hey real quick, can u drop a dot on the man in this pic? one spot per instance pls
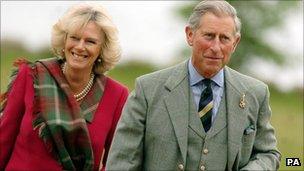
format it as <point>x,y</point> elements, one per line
<point>200,114</point>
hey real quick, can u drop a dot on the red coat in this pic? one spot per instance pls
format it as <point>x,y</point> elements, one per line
<point>20,146</point>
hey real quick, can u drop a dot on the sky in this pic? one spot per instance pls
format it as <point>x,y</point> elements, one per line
<point>147,29</point>
<point>150,31</point>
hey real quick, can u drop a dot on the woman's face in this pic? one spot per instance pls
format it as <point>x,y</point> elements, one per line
<point>83,47</point>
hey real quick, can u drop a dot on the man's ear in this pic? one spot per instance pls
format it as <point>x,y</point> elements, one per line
<point>236,42</point>
<point>189,35</point>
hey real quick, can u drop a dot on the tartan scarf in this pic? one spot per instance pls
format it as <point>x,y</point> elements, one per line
<point>59,118</point>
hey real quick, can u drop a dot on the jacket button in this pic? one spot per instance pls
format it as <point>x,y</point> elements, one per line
<point>202,168</point>
<point>205,151</point>
<point>181,167</point>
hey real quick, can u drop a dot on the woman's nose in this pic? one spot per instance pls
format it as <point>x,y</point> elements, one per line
<point>80,45</point>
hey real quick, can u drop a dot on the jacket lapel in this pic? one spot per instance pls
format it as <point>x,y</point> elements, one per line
<point>177,103</point>
<point>236,116</point>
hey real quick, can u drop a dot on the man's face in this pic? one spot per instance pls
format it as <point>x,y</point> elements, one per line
<point>212,43</point>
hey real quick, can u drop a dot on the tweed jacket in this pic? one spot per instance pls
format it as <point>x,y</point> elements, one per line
<point>152,133</point>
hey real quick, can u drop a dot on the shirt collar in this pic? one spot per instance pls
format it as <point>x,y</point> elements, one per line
<point>195,77</point>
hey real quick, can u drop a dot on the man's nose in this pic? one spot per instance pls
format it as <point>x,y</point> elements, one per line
<point>216,45</point>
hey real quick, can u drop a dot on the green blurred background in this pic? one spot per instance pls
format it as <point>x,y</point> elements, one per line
<point>287,106</point>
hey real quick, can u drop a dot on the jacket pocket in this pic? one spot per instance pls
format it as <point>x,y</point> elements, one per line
<point>247,145</point>
<point>249,136</point>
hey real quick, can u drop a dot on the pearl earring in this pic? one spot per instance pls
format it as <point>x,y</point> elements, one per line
<point>99,60</point>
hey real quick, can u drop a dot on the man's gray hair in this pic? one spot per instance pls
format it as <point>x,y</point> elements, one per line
<point>218,8</point>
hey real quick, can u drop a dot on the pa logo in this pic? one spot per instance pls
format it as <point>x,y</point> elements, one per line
<point>293,162</point>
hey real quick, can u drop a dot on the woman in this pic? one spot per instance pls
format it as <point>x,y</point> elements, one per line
<point>61,113</point>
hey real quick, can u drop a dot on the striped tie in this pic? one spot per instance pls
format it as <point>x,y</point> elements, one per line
<point>206,105</point>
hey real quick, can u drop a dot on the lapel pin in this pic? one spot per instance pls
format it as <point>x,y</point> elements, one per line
<point>242,101</point>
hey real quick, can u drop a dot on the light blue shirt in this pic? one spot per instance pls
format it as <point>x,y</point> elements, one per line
<point>217,86</point>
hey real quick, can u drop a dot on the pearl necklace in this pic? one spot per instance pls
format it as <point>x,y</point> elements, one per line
<point>86,89</point>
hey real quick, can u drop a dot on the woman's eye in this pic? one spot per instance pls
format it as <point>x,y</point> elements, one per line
<point>73,38</point>
<point>92,42</point>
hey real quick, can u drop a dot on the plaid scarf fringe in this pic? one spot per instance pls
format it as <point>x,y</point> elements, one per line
<point>14,72</point>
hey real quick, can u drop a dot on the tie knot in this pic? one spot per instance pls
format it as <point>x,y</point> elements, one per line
<point>207,82</point>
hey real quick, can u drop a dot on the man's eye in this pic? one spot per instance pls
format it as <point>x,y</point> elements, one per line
<point>226,38</point>
<point>208,36</point>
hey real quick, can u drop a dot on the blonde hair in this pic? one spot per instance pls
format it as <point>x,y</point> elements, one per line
<point>76,18</point>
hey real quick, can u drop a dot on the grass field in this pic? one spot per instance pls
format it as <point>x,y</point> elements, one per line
<point>287,108</point>
<point>287,119</point>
